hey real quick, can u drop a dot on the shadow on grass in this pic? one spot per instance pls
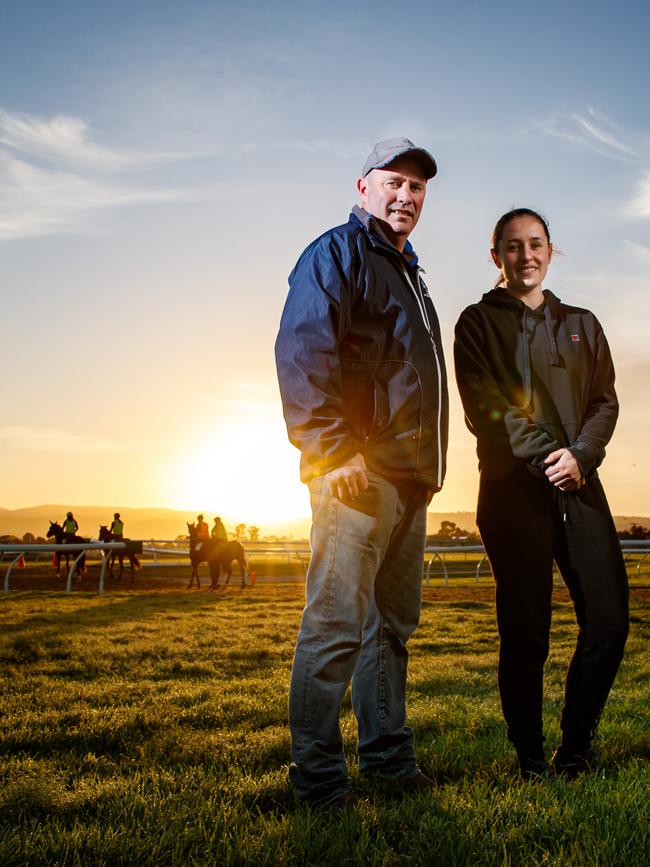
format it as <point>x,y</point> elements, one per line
<point>114,609</point>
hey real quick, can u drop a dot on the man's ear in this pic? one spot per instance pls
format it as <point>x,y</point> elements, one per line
<point>362,187</point>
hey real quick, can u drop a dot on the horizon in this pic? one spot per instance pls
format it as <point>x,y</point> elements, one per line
<point>152,208</point>
<point>140,521</point>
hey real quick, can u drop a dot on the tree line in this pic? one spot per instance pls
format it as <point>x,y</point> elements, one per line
<point>636,531</point>
<point>451,532</point>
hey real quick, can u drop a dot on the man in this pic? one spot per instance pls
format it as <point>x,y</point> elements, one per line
<point>202,529</point>
<point>364,394</point>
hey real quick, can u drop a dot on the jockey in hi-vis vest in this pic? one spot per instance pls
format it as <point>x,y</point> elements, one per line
<point>117,527</point>
<point>219,531</point>
<point>70,526</point>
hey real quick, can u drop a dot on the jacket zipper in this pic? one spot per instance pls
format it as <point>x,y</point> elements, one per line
<point>419,297</point>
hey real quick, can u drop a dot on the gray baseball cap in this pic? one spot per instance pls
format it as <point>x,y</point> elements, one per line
<point>384,152</point>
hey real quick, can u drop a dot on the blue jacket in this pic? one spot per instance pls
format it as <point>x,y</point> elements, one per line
<point>360,360</point>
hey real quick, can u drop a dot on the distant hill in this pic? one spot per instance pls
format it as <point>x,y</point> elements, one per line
<point>139,523</point>
<point>143,523</point>
<point>148,523</point>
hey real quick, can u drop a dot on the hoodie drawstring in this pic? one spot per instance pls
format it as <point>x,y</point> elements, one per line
<point>564,506</point>
<point>552,342</point>
<point>527,383</point>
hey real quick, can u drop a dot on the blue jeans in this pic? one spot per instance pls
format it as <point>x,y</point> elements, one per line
<point>363,602</point>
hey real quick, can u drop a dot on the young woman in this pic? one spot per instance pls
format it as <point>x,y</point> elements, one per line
<point>537,385</point>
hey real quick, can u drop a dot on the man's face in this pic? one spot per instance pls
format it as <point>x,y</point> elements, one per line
<point>395,196</point>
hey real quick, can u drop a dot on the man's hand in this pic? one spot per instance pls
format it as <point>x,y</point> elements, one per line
<point>347,482</point>
<point>563,470</point>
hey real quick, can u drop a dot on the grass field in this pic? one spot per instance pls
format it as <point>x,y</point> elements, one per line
<point>149,728</point>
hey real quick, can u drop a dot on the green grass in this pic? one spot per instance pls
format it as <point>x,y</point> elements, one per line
<point>144,728</point>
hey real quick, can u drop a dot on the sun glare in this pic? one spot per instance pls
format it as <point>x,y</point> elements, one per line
<point>244,470</point>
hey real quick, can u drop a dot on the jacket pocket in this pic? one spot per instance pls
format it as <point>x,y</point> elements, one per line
<point>358,398</point>
<point>380,408</point>
<point>382,399</point>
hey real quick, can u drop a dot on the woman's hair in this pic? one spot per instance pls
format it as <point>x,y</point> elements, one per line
<point>503,221</point>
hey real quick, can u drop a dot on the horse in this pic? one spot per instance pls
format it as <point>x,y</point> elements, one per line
<point>105,535</point>
<point>218,554</point>
<point>57,531</point>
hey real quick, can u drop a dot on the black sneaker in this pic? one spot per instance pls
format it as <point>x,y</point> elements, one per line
<point>568,766</point>
<point>535,770</point>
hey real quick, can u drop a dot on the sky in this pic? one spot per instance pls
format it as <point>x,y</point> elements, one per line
<point>163,164</point>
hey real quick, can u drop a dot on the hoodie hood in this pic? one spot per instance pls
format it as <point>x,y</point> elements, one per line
<point>550,311</point>
<point>500,295</point>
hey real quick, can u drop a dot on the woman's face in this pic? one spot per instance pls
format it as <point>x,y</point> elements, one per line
<point>523,256</point>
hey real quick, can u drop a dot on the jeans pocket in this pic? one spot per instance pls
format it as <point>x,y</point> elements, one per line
<point>316,494</point>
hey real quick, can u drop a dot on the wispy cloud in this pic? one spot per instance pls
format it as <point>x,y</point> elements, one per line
<point>36,201</point>
<point>597,132</point>
<point>593,130</point>
<point>53,175</point>
<point>62,139</point>
<point>640,204</point>
<point>639,252</point>
<point>67,140</point>
<point>53,441</point>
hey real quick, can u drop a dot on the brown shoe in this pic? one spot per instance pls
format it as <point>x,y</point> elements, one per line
<point>346,801</point>
<point>417,783</point>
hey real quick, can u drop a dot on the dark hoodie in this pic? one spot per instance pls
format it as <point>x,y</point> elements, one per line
<point>532,381</point>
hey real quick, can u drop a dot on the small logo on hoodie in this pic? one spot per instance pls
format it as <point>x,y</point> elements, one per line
<point>575,338</point>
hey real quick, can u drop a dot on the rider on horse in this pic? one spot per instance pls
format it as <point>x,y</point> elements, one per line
<point>70,528</point>
<point>117,527</point>
<point>219,531</point>
<point>202,530</point>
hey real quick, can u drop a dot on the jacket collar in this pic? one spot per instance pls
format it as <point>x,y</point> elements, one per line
<point>373,229</point>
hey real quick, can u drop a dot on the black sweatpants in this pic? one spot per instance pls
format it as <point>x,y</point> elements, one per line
<point>526,523</point>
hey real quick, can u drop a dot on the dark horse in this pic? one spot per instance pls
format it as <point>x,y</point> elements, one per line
<point>105,535</point>
<point>219,555</point>
<point>56,530</point>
